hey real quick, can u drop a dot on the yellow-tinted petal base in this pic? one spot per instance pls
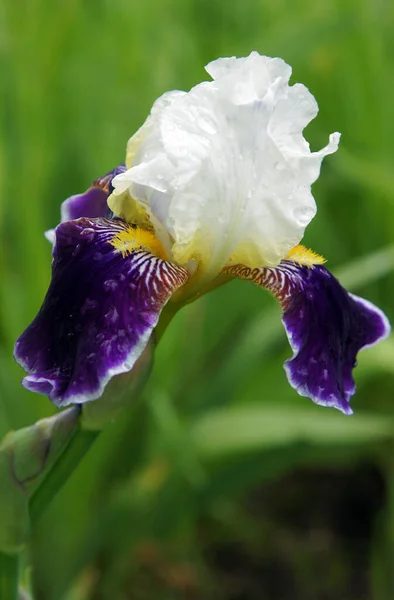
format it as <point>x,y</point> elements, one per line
<point>304,256</point>
<point>127,208</point>
<point>133,238</point>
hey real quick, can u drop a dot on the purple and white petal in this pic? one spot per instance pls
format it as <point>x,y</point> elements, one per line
<point>93,202</point>
<point>99,312</point>
<point>326,327</point>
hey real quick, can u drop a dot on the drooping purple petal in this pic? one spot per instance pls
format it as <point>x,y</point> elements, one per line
<point>93,202</point>
<point>326,327</point>
<point>98,314</point>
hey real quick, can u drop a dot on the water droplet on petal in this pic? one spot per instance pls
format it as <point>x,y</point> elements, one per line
<point>77,250</point>
<point>279,166</point>
<point>303,214</point>
<point>112,315</point>
<point>107,347</point>
<point>88,234</point>
<point>110,285</point>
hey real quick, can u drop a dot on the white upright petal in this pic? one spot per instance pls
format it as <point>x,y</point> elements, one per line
<point>225,169</point>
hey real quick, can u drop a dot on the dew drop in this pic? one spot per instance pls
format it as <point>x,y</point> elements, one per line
<point>88,234</point>
<point>77,250</point>
<point>110,285</point>
<point>112,315</point>
<point>303,214</point>
<point>98,256</point>
<point>279,166</point>
<point>107,347</point>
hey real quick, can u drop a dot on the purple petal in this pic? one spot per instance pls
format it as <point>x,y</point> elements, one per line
<point>93,202</point>
<point>326,327</point>
<point>98,314</point>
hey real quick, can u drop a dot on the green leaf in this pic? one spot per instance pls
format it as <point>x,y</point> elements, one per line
<point>257,427</point>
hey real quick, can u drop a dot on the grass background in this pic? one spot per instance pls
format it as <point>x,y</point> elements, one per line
<point>220,482</point>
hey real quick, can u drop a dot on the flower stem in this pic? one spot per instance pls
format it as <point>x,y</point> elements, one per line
<point>166,317</point>
<point>9,573</point>
<point>78,445</point>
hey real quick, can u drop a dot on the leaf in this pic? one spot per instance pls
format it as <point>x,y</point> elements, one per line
<point>260,427</point>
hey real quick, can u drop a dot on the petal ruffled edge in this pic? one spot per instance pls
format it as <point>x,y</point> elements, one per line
<point>325,325</point>
<point>104,300</point>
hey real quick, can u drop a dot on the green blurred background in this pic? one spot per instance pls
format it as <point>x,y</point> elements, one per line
<point>220,482</point>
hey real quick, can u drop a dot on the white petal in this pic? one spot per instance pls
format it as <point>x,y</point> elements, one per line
<point>248,79</point>
<point>142,140</point>
<point>225,169</point>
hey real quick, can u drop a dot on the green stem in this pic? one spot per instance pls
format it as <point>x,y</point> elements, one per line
<point>77,447</point>
<point>166,317</point>
<point>9,574</point>
<point>390,529</point>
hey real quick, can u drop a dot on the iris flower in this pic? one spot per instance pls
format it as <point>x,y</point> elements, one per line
<point>216,186</point>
